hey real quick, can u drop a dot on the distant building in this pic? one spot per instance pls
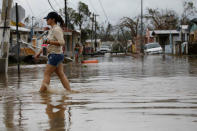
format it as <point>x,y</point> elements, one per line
<point>29,47</point>
<point>24,46</point>
<point>136,47</point>
<point>171,41</point>
<point>149,37</point>
<point>72,37</point>
<point>89,46</point>
<point>107,43</point>
<point>193,36</point>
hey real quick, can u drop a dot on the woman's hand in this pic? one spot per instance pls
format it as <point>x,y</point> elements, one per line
<point>47,41</point>
<point>36,56</point>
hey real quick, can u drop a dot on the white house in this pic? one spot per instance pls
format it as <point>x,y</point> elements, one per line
<point>171,40</point>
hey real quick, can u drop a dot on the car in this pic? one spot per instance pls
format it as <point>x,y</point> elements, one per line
<point>152,48</point>
<point>105,49</point>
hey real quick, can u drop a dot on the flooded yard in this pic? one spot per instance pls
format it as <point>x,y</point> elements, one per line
<point>153,93</point>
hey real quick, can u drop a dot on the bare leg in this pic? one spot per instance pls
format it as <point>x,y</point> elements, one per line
<point>47,75</point>
<point>77,58</point>
<point>60,72</point>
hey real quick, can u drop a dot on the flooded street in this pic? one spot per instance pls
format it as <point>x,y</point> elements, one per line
<point>153,93</point>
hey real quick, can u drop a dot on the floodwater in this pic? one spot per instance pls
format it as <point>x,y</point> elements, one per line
<point>121,93</point>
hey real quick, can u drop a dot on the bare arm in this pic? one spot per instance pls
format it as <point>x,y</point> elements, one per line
<point>53,43</point>
<point>38,54</point>
<point>59,36</point>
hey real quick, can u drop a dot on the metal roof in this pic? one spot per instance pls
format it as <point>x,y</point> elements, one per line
<point>88,41</point>
<point>194,20</point>
<point>164,32</point>
<point>22,29</point>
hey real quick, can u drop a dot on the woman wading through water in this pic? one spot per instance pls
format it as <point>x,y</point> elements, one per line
<point>55,41</point>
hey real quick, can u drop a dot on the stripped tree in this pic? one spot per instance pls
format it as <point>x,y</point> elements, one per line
<point>133,25</point>
<point>189,10</point>
<point>162,19</point>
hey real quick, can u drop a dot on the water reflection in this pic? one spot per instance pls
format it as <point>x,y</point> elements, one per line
<point>8,108</point>
<point>8,104</point>
<point>120,92</point>
<point>3,80</point>
<point>58,119</point>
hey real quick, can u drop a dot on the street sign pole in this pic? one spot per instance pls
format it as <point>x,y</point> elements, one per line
<point>18,44</point>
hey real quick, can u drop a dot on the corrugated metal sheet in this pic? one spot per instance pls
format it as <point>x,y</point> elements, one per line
<point>22,29</point>
<point>164,32</point>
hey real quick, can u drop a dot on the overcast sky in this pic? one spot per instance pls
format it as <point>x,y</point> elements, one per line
<point>115,9</point>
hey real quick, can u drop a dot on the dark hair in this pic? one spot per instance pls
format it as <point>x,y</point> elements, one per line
<point>77,45</point>
<point>58,18</point>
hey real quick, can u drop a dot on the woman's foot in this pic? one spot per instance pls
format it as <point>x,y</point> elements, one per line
<point>43,88</point>
<point>73,91</point>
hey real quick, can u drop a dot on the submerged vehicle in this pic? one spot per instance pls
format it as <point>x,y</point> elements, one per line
<point>152,48</point>
<point>105,49</point>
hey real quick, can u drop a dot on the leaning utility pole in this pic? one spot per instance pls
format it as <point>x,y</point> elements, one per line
<point>142,28</point>
<point>92,29</point>
<point>66,24</point>
<point>5,35</point>
<point>66,14</point>
<point>95,43</point>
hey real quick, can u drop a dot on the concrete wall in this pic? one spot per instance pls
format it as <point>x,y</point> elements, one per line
<point>70,45</point>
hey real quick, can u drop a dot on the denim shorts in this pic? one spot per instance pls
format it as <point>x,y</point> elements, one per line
<point>55,59</point>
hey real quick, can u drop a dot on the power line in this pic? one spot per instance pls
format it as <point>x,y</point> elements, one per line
<point>70,2</point>
<point>43,12</point>
<point>30,7</point>
<point>92,6</point>
<point>103,10</point>
<point>51,6</point>
<point>57,4</point>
